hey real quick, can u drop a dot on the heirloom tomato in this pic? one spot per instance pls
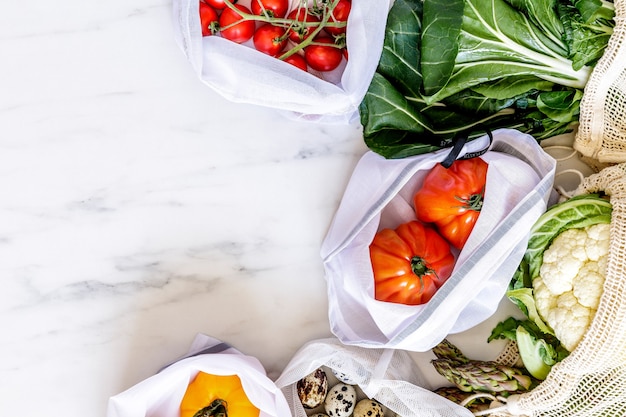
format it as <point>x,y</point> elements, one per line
<point>209,395</point>
<point>271,8</point>
<point>409,263</point>
<point>231,30</point>
<point>452,198</point>
<point>208,19</point>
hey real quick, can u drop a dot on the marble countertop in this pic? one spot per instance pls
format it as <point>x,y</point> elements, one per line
<point>140,208</point>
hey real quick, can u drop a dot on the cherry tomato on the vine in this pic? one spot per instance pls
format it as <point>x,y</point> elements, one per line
<point>270,39</point>
<point>299,31</point>
<point>218,4</point>
<point>323,57</point>
<point>208,19</point>
<point>274,8</point>
<point>340,13</point>
<point>452,198</point>
<point>231,30</point>
<point>297,61</point>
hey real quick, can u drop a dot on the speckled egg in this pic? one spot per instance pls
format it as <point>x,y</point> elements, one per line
<point>343,377</point>
<point>368,408</point>
<point>312,389</point>
<point>340,400</point>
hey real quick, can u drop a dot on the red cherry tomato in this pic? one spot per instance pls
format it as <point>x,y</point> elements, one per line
<point>340,14</point>
<point>231,30</point>
<point>208,19</point>
<point>322,57</point>
<point>297,61</point>
<point>299,31</point>
<point>270,39</point>
<point>274,8</point>
<point>218,4</point>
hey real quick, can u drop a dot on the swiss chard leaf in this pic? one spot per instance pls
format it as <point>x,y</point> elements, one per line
<point>543,14</point>
<point>586,38</point>
<point>440,38</point>
<point>560,106</point>
<point>400,58</point>
<point>498,41</point>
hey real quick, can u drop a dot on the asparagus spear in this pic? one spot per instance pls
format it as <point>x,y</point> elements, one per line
<point>478,376</point>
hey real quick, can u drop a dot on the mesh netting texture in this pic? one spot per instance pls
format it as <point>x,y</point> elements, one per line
<point>591,381</point>
<point>602,129</point>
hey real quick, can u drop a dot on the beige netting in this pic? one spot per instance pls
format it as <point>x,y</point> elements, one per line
<point>602,131</point>
<point>591,381</point>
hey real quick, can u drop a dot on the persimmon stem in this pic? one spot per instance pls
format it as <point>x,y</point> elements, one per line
<point>217,408</point>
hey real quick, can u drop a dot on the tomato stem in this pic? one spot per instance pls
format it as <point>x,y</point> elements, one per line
<point>474,202</point>
<point>326,8</point>
<point>217,408</point>
<point>419,266</point>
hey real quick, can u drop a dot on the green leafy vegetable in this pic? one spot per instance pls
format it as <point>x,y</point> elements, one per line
<point>539,351</point>
<point>537,343</point>
<point>469,65</point>
<point>577,212</point>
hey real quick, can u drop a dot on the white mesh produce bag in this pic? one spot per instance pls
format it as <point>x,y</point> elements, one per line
<point>520,181</point>
<point>161,394</point>
<point>242,74</point>
<point>387,375</point>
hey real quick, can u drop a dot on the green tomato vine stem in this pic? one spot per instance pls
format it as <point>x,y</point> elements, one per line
<point>324,7</point>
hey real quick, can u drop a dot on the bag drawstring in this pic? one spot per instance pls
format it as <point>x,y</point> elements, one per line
<point>459,141</point>
<point>500,406</point>
<point>559,188</point>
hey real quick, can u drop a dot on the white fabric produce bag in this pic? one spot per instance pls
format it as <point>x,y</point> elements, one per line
<point>241,74</point>
<point>160,395</point>
<point>379,195</point>
<point>389,376</point>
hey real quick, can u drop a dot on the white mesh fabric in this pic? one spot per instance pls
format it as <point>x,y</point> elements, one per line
<point>390,376</point>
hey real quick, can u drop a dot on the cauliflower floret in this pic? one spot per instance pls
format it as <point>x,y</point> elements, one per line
<point>570,282</point>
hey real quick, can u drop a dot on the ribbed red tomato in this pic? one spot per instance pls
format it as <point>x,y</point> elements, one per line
<point>452,198</point>
<point>410,263</point>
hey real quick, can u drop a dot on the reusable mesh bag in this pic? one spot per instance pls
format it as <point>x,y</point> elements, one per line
<point>602,129</point>
<point>591,381</point>
<point>390,376</point>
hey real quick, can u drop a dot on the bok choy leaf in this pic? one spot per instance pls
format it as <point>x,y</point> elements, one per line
<point>451,66</point>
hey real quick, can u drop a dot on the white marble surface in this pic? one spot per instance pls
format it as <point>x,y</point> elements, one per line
<point>139,208</point>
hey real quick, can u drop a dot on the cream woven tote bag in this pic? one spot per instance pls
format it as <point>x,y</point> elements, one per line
<point>601,133</point>
<point>591,381</point>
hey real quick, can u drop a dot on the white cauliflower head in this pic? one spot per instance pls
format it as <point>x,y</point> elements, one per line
<point>570,282</point>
